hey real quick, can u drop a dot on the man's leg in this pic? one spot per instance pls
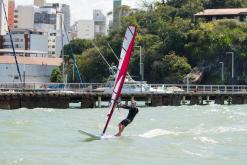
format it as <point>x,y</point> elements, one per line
<point>120,129</point>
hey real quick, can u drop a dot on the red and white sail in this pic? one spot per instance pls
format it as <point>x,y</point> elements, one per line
<point>128,43</point>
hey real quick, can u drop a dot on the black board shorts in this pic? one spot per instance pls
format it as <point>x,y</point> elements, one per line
<point>125,122</point>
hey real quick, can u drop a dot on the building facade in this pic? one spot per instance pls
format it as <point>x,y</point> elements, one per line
<point>66,12</point>
<point>3,22</point>
<point>21,15</point>
<point>47,19</point>
<point>39,3</point>
<point>63,9</point>
<point>32,69</point>
<point>99,23</point>
<point>11,12</point>
<point>89,29</point>
<point>56,41</point>
<point>85,29</point>
<point>26,39</point>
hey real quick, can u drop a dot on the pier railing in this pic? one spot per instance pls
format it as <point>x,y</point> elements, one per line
<point>131,88</point>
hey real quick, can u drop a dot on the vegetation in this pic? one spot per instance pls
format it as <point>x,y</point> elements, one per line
<point>56,76</point>
<point>172,44</point>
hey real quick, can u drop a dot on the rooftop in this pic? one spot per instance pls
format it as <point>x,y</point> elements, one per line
<point>22,51</point>
<point>31,60</point>
<point>229,11</point>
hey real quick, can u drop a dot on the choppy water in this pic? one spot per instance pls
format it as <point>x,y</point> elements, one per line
<point>163,135</point>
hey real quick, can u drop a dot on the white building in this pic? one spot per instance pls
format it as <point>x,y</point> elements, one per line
<point>99,23</point>
<point>85,29</point>
<point>3,22</point>
<point>55,43</point>
<point>24,17</point>
<point>35,69</point>
<point>89,29</point>
<point>27,39</point>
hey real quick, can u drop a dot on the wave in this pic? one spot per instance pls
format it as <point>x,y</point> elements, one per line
<point>229,129</point>
<point>218,130</point>
<point>158,132</point>
<point>191,153</point>
<point>205,140</point>
<point>15,122</point>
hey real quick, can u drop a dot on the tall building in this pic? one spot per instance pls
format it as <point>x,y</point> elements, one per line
<point>24,17</point>
<point>47,19</point>
<point>61,8</point>
<point>39,2</point>
<point>11,12</point>
<point>99,23</point>
<point>51,17</point>
<point>3,22</point>
<point>117,13</point>
<point>85,29</point>
<point>66,12</point>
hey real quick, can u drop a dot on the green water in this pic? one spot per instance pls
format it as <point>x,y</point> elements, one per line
<point>163,135</point>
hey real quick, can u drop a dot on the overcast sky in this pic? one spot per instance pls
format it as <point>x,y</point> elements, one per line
<point>83,9</point>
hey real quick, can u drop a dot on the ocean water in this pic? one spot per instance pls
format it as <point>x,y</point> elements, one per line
<point>186,135</point>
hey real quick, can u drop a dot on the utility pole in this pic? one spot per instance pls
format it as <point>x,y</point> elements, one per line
<point>222,71</point>
<point>232,65</point>
<point>62,51</point>
<point>141,66</point>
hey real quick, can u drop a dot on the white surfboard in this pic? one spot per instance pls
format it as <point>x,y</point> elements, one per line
<point>90,135</point>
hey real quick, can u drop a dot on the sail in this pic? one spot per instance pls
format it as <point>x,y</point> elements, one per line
<point>124,59</point>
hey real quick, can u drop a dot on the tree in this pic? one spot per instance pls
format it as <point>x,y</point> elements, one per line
<point>214,4</point>
<point>167,28</point>
<point>78,46</point>
<point>56,76</point>
<point>170,69</point>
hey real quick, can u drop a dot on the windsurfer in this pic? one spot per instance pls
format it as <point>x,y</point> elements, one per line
<point>133,110</point>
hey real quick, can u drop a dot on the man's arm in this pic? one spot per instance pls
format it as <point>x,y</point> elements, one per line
<point>124,106</point>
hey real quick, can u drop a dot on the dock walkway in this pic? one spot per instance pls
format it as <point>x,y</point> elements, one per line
<point>14,96</point>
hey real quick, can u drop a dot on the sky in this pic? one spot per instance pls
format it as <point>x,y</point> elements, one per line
<point>83,9</point>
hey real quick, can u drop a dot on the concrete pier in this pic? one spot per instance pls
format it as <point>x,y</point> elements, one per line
<point>92,99</point>
<point>220,100</point>
<point>194,100</point>
<point>88,102</point>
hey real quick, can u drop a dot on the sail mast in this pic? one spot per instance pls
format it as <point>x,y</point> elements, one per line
<point>129,40</point>
<point>12,44</point>
<point>73,56</point>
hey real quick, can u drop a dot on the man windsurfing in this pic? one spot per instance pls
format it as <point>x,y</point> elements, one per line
<point>133,110</point>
